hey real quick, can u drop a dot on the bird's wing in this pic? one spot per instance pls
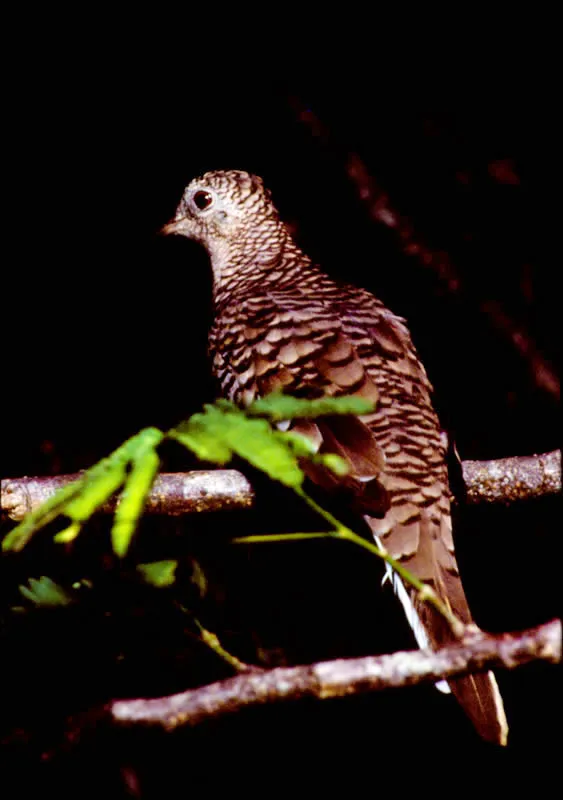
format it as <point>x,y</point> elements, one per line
<point>302,349</point>
<point>417,530</point>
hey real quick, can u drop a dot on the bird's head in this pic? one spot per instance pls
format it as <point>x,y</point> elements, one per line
<point>232,215</point>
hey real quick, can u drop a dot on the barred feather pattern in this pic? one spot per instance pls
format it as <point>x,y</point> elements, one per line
<point>281,324</point>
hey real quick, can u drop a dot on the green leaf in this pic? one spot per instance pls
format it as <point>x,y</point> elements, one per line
<point>220,432</point>
<point>96,490</point>
<point>80,499</point>
<point>133,498</point>
<point>225,405</point>
<point>108,475</point>
<point>305,448</point>
<point>45,592</point>
<point>223,430</point>
<point>19,536</point>
<point>68,534</point>
<point>255,441</point>
<point>158,573</point>
<point>279,407</point>
<point>198,436</point>
<point>299,444</point>
<point>335,463</point>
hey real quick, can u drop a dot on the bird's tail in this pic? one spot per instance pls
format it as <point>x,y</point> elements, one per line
<point>430,557</point>
<point>480,698</point>
<point>414,526</point>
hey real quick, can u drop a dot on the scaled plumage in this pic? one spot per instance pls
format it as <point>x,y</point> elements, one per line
<point>282,324</point>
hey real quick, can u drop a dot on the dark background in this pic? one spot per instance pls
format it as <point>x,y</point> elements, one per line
<point>104,327</point>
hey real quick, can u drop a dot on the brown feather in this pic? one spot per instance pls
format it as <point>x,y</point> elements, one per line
<point>349,438</point>
<point>422,546</point>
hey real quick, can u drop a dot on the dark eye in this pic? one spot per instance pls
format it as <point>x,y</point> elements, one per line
<point>202,200</point>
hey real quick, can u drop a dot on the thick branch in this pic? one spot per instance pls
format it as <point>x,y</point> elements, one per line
<point>344,677</point>
<point>176,493</point>
<point>507,479</point>
<point>173,494</point>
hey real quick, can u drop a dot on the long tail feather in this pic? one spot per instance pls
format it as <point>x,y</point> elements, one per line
<point>420,545</point>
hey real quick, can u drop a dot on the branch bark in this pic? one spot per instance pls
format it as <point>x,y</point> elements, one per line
<point>504,480</point>
<point>174,494</point>
<point>344,677</point>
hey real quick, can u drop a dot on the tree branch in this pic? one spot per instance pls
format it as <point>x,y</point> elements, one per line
<point>174,494</point>
<point>344,677</point>
<point>504,480</point>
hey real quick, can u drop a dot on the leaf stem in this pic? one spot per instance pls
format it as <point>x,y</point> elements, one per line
<point>425,592</point>
<point>282,537</point>
<point>212,641</point>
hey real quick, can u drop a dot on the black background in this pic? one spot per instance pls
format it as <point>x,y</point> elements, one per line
<point>104,321</point>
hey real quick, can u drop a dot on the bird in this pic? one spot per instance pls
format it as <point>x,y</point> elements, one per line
<point>281,324</point>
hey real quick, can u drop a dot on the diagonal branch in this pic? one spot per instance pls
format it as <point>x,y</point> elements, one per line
<point>344,677</point>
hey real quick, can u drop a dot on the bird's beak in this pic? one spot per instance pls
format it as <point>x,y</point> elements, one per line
<point>176,225</point>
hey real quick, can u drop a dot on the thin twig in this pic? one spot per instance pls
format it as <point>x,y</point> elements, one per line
<point>212,641</point>
<point>344,677</point>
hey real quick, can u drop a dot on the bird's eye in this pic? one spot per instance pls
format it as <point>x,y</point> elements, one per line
<point>202,200</point>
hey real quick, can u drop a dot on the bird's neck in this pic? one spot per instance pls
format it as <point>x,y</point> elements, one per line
<point>268,259</point>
